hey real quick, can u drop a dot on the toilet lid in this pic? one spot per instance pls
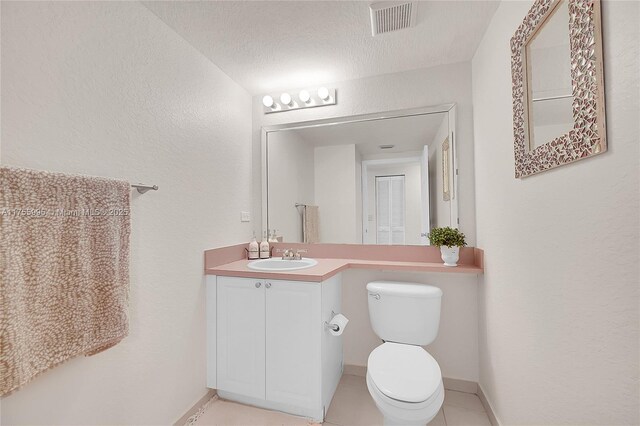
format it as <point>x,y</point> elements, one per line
<point>404,372</point>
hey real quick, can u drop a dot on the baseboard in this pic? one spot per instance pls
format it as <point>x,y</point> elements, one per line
<point>459,385</point>
<point>194,409</point>
<point>487,407</point>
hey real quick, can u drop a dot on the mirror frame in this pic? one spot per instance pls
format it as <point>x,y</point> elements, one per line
<point>444,108</point>
<point>588,135</point>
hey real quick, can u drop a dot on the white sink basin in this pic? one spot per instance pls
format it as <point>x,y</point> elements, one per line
<point>281,265</point>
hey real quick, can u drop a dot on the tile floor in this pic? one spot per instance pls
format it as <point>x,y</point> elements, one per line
<point>351,406</point>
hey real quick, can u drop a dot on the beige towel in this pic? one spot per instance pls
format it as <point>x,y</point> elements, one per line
<point>310,224</point>
<point>64,269</point>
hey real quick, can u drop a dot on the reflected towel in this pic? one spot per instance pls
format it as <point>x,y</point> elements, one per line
<point>310,224</point>
<point>64,269</point>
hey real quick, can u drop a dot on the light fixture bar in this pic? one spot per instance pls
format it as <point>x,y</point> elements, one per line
<point>299,99</point>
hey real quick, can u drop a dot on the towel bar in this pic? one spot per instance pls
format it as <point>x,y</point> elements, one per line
<point>142,188</point>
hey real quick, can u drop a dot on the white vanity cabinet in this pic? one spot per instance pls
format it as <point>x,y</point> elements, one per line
<point>271,347</point>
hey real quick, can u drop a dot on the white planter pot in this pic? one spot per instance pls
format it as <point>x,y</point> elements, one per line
<point>450,255</point>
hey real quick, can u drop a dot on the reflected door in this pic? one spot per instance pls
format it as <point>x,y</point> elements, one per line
<point>390,209</point>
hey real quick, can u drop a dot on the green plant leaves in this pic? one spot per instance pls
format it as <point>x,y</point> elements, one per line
<point>447,236</point>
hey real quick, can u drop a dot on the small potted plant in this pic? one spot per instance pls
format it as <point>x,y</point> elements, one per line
<point>449,240</point>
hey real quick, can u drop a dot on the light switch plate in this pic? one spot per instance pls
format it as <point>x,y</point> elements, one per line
<point>245,217</point>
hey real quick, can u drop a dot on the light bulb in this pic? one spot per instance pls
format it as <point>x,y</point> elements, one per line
<point>304,96</point>
<point>285,98</point>
<point>323,93</point>
<point>267,101</point>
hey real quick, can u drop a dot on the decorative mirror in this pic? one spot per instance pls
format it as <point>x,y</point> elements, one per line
<point>558,89</point>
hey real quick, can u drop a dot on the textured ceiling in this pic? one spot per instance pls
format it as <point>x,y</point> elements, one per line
<point>408,134</point>
<point>274,45</point>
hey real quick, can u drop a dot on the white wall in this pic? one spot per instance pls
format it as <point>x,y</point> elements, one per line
<point>291,181</point>
<point>456,347</point>
<point>335,193</point>
<point>559,298</point>
<point>108,89</point>
<point>411,89</point>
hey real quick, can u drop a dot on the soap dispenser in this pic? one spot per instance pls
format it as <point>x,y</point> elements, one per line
<point>254,248</point>
<point>265,253</point>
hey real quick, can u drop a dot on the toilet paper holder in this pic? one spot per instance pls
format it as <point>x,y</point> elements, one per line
<point>334,327</point>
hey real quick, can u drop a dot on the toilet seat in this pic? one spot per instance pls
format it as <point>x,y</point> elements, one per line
<point>406,413</point>
<point>404,373</point>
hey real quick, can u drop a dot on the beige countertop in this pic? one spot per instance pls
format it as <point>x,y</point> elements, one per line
<point>326,268</point>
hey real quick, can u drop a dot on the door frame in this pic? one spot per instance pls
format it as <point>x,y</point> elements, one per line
<point>364,186</point>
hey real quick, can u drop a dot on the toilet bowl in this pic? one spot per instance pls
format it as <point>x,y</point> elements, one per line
<point>405,383</point>
<point>403,379</point>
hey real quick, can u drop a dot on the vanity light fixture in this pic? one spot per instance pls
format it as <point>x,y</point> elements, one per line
<point>323,93</point>
<point>267,101</point>
<point>309,98</point>
<point>286,100</point>
<point>304,96</point>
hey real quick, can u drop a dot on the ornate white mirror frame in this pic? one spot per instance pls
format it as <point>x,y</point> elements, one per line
<point>588,135</point>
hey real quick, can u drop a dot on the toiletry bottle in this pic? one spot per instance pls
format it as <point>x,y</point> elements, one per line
<point>254,248</point>
<point>264,247</point>
<point>272,237</point>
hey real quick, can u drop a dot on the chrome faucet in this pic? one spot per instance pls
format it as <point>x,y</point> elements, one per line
<point>298,255</point>
<point>288,254</point>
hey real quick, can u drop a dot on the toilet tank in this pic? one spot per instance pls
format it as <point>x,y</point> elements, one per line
<point>404,312</point>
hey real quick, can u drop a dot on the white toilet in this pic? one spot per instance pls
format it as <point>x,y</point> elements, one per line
<point>403,379</point>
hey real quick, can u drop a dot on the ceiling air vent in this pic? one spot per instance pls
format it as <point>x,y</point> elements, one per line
<point>390,16</point>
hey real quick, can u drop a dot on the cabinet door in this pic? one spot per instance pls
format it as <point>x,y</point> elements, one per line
<point>293,333</point>
<point>241,336</point>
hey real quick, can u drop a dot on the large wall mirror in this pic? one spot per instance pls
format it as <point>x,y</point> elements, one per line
<point>558,89</point>
<point>374,179</point>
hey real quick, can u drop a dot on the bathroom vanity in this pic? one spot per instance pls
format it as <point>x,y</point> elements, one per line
<point>267,343</point>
